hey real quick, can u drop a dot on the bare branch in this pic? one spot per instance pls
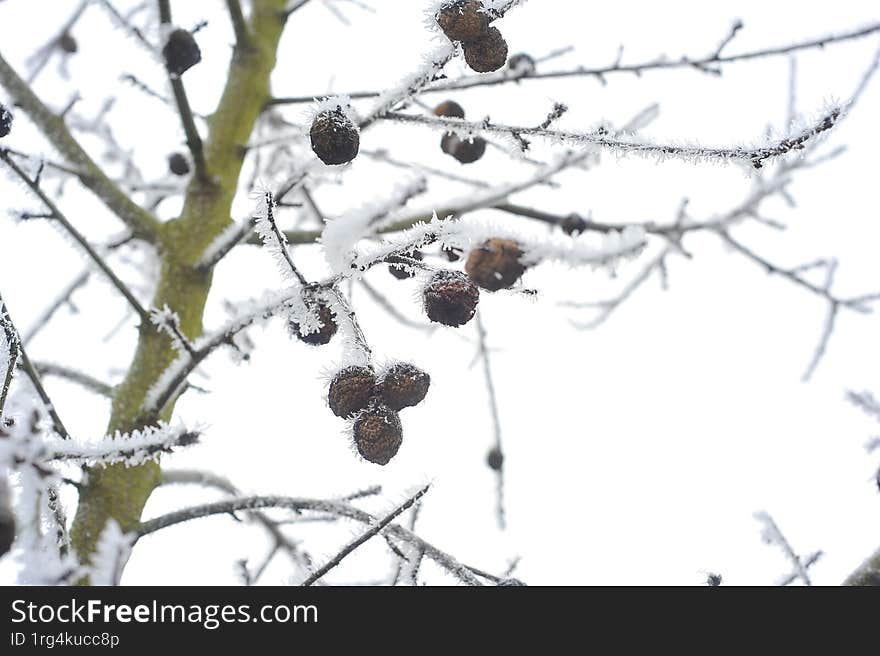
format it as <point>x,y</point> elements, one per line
<point>364,537</point>
<point>142,223</point>
<point>443,559</point>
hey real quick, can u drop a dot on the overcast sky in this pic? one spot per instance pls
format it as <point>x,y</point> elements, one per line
<point>637,453</point>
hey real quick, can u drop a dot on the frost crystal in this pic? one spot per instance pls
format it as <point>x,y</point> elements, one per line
<point>342,234</point>
<point>111,554</point>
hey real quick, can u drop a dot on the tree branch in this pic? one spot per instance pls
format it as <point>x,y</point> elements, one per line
<point>242,36</point>
<point>143,224</point>
<point>331,507</point>
<point>703,64</point>
<point>57,215</point>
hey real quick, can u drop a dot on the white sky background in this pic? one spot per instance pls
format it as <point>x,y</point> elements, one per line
<point>636,453</point>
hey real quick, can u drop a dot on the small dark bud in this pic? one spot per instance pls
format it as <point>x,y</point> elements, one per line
<point>495,459</point>
<point>181,52</point>
<point>452,254</point>
<point>351,391</point>
<point>401,271</point>
<point>178,164</point>
<point>403,386</point>
<point>449,109</point>
<point>496,264</point>
<point>324,334</point>
<point>573,225</point>
<point>5,121</point>
<point>450,298</point>
<point>67,43</point>
<point>521,64</point>
<point>378,434</point>
<point>713,580</point>
<point>511,583</point>
<point>486,54</point>
<point>463,20</point>
<point>7,519</point>
<point>466,151</point>
<point>335,138</point>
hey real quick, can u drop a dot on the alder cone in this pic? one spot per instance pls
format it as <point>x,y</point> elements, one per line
<point>463,20</point>
<point>324,334</point>
<point>486,54</point>
<point>178,164</point>
<point>466,151</point>
<point>351,391</point>
<point>404,386</point>
<point>449,109</point>
<point>5,121</point>
<point>181,52</point>
<point>450,298</point>
<point>335,138</point>
<point>496,264</point>
<point>378,434</point>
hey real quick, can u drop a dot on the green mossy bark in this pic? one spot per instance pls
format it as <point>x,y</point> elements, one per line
<point>119,492</point>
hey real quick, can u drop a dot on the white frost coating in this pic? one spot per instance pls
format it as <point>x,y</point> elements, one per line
<point>264,224</point>
<point>627,143</point>
<point>132,448</point>
<point>41,564</point>
<point>167,321</point>
<point>232,234</point>
<point>574,251</point>
<point>287,301</point>
<point>340,103</point>
<point>494,8</point>
<point>341,235</point>
<point>431,67</point>
<point>353,352</point>
<point>111,554</point>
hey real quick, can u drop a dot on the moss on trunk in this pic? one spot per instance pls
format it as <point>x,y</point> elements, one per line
<point>120,492</point>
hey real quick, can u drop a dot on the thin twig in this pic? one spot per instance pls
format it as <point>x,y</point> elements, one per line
<point>374,530</point>
<point>496,420</point>
<point>57,215</point>
<point>448,562</point>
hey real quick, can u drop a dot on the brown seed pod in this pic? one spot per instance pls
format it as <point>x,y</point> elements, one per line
<point>449,109</point>
<point>67,43</point>
<point>496,264</point>
<point>5,121</point>
<point>486,54</point>
<point>181,52</point>
<point>378,434</point>
<point>450,298</point>
<point>335,138</point>
<point>573,224</point>
<point>495,459</point>
<point>178,164</point>
<point>466,151</point>
<point>351,391</point>
<point>403,386</point>
<point>400,271</point>
<point>324,334</point>
<point>463,20</point>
